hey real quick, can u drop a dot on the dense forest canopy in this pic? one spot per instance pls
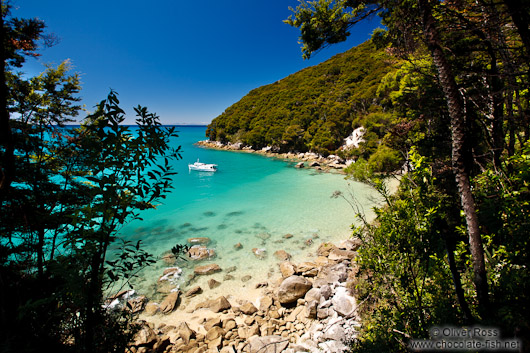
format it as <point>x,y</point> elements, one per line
<point>314,109</point>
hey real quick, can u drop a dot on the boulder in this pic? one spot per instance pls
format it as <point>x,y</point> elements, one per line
<point>206,269</point>
<point>200,252</point>
<point>214,332</point>
<point>215,305</point>
<point>288,236</point>
<point>268,344</point>
<point>305,267</point>
<point>311,309</point>
<point>326,291</point>
<point>151,308</point>
<point>146,336</point>
<point>212,283</point>
<point>282,255</point>
<point>299,165</point>
<point>238,246</point>
<point>170,274</point>
<point>332,274</point>
<point>351,244</point>
<point>341,255</point>
<point>325,248</point>
<point>137,304</point>
<point>265,303</point>
<point>193,292</point>
<point>169,304</point>
<point>199,240</point>
<point>185,332</point>
<point>229,324</point>
<point>248,308</point>
<point>313,295</point>
<point>314,164</point>
<point>343,303</point>
<point>287,269</point>
<point>293,288</point>
<point>332,346</point>
<point>211,322</point>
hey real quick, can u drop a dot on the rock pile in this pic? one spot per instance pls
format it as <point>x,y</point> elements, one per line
<point>309,309</point>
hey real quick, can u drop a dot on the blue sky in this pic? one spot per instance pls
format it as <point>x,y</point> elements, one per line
<point>187,61</point>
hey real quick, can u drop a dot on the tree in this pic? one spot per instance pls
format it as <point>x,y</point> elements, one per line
<point>65,194</point>
<point>325,22</point>
<point>18,37</point>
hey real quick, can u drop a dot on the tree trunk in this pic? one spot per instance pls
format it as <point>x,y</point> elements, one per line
<point>458,134</point>
<point>520,13</point>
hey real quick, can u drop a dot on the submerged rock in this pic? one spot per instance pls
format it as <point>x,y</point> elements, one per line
<point>260,253</point>
<point>282,255</point>
<point>199,240</point>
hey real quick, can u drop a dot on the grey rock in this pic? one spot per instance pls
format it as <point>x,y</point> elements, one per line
<point>343,303</point>
<point>268,344</point>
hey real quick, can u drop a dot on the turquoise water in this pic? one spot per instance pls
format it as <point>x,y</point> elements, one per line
<point>252,200</point>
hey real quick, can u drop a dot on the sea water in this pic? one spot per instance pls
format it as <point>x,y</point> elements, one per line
<point>252,200</point>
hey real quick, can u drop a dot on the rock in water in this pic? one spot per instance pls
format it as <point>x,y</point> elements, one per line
<point>293,288</point>
<point>199,240</point>
<point>282,255</point>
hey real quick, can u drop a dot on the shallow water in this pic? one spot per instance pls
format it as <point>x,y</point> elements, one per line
<point>252,200</point>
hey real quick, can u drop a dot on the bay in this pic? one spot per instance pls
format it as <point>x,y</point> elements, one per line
<point>252,200</point>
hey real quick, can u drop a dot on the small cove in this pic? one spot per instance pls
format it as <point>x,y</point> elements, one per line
<point>252,200</point>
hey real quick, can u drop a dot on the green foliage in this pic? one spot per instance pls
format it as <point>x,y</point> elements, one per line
<point>404,282</point>
<point>313,109</point>
<point>504,211</point>
<point>74,188</point>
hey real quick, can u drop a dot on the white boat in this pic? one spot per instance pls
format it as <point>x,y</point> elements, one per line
<point>202,167</point>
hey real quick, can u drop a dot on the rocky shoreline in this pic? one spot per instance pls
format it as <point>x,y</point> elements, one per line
<point>308,309</point>
<point>303,160</point>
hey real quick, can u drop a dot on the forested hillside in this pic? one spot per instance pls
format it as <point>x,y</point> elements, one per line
<point>313,109</point>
